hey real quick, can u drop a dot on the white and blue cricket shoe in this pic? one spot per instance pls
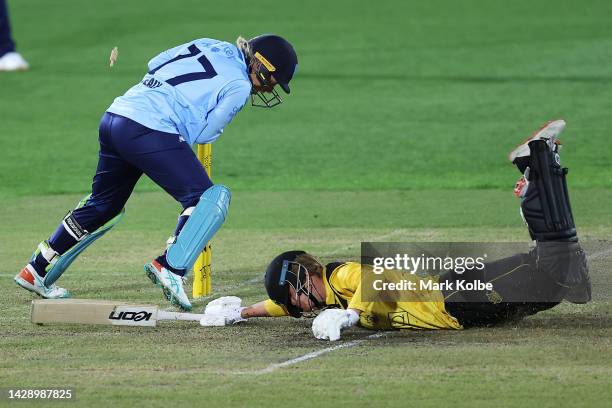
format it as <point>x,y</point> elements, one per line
<point>171,284</point>
<point>29,279</point>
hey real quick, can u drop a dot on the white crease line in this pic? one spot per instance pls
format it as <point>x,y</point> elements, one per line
<point>314,354</point>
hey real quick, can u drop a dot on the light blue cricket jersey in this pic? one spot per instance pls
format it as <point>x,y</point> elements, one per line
<point>194,90</point>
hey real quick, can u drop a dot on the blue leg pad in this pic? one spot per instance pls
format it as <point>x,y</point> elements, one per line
<point>206,218</point>
<point>56,270</point>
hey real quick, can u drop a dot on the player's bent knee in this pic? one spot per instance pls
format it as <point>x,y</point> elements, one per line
<point>566,264</point>
<point>90,215</point>
<point>204,221</point>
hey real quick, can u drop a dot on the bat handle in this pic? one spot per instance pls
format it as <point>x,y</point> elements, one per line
<point>164,315</point>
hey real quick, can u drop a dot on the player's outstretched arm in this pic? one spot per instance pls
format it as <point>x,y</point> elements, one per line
<point>267,308</point>
<point>227,310</point>
<point>256,310</point>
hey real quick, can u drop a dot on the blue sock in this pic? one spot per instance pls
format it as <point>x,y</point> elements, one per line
<point>182,219</point>
<point>162,260</point>
<point>61,241</point>
<point>39,264</point>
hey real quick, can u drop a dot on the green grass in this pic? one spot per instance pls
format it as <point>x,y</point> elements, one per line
<point>397,129</point>
<point>552,359</point>
<point>397,95</point>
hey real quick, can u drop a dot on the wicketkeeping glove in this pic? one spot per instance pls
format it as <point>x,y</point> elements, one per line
<point>328,324</point>
<point>222,312</point>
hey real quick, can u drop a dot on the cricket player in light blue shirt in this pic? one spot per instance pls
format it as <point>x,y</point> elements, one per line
<point>194,90</point>
<point>189,95</point>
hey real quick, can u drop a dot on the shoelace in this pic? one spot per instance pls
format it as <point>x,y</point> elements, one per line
<point>173,282</point>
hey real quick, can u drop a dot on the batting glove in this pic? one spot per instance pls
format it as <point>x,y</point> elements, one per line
<point>223,311</point>
<point>328,324</point>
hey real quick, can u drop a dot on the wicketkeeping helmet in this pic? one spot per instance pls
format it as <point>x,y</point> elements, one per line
<point>277,58</point>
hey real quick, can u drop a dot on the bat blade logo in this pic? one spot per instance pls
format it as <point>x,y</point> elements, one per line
<point>132,316</point>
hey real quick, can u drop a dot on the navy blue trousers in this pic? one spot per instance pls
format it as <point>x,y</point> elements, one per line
<point>6,42</point>
<point>127,151</point>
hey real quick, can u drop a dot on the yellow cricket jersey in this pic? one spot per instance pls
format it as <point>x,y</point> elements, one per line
<point>343,289</point>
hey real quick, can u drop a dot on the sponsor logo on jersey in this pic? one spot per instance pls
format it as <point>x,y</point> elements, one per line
<point>494,297</point>
<point>151,83</point>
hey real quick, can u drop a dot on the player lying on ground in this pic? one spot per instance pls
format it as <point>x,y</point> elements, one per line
<point>554,270</point>
<point>190,93</point>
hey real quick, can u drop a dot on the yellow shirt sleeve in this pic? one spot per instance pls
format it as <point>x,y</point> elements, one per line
<point>274,309</point>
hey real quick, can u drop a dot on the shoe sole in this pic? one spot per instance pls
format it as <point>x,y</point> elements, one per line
<point>27,286</point>
<point>20,69</point>
<point>543,133</point>
<point>167,293</point>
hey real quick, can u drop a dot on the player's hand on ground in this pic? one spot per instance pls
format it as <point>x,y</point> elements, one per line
<point>223,311</point>
<point>330,322</point>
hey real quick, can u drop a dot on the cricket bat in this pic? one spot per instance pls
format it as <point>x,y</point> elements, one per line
<point>115,313</point>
